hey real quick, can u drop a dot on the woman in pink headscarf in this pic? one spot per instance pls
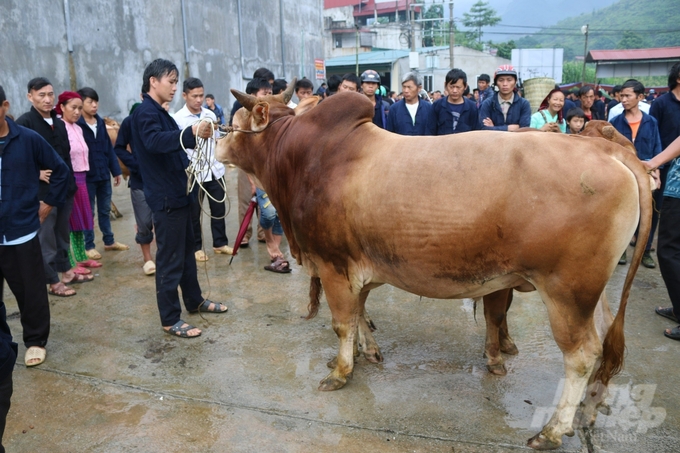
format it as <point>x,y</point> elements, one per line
<point>70,106</point>
<point>549,117</point>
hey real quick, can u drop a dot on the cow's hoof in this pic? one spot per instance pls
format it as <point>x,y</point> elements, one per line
<point>332,382</point>
<point>332,363</point>
<point>540,442</point>
<point>374,357</point>
<point>497,369</point>
<point>509,348</point>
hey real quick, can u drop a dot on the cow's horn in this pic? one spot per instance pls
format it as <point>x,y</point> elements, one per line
<point>246,100</point>
<point>288,94</point>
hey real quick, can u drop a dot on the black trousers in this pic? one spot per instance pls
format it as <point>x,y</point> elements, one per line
<point>22,267</point>
<point>55,240</point>
<point>217,225</point>
<point>5,396</point>
<point>669,249</point>
<point>175,264</point>
<point>8,351</point>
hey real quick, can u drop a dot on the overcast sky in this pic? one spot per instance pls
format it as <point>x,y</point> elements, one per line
<point>536,13</point>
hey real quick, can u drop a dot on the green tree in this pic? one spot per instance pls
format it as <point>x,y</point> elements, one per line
<point>571,72</point>
<point>504,49</point>
<point>631,40</point>
<point>480,15</point>
<point>433,30</point>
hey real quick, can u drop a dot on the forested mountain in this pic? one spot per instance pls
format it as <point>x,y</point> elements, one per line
<point>627,24</point>
<point>537,13</point>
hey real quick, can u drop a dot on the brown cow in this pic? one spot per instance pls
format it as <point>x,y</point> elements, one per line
<point>498,303</point>
<point>449,217</point>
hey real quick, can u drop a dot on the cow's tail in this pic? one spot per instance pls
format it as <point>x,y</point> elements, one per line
<point>614,344</point>
<point>315,291</point>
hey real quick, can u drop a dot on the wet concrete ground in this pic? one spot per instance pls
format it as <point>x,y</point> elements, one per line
<point>114,382</point>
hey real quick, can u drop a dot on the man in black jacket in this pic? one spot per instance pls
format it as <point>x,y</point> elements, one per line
<point>22,154</point>
<point>54,232</point>
<point>157,142</point>
<point>103,165</point>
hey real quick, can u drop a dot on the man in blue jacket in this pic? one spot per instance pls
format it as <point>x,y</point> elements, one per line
<point>214,107</point>
<point>22,154</point>
<point>370,86</point>
<point>505,110</point>
<point>157,143</point>
<point>641,129</point>
<point>103,165</point>
<point>455,113</point>
<point>484,90</point>
<point>411,115</point>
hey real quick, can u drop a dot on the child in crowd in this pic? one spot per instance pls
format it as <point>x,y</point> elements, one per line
<point>576,118</point>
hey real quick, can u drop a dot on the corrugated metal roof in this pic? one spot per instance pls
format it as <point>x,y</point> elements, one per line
<point>379,57</point>
<point>659,53</point>
<point>382,57</point>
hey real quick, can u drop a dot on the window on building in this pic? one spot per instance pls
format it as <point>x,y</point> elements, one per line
<point>427,83</point>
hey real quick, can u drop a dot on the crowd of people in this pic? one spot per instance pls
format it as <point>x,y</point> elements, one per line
<point>57,163</point>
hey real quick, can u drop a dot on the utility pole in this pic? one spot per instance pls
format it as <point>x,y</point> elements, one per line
<point>413,27</point>
<point>452,35</point>
<point>357,62</point>
<point>584,30</point>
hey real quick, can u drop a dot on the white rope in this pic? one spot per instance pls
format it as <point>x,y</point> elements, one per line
<point>200,163</point>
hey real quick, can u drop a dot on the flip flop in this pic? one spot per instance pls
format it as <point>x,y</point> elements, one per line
<point>81,270</point>
<point>90,263</point>
<point>205,307</point>
<point>280,266</point>
<point>673,334</point>
<point>178,331</point>
<point>666,313</point>
<point>62,291</point>
<point>35,352</point>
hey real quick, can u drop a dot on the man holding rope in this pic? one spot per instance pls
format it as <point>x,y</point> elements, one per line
<point>159,143</point>
<point>208,173</point>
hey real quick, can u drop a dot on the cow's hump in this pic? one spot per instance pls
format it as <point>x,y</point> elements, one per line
<point>343,110</point>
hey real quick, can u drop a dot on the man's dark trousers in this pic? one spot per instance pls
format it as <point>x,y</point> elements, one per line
<point>6,381</point>
<point>22,267</point>
<point>669,249</point>
<point>175,264</point>
<point>55,241</point>
<point>217,211</point>
<point>5,400</point>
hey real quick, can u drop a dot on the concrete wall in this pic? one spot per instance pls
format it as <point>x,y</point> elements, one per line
<point>113,41</point>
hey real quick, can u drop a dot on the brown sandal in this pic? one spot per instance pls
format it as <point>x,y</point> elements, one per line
<point>61,290</point>
<point>79,278</point>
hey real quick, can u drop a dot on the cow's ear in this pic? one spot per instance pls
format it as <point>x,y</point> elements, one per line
<point>307,104</point>
<point>608,132</point>
<point>260,117</point>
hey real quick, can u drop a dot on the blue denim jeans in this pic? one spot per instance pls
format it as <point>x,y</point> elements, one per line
<point>101,190</point>
<point>268,216</point>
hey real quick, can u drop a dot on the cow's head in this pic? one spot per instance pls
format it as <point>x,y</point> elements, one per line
<point>604,129</point>
<point>247,144</point>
